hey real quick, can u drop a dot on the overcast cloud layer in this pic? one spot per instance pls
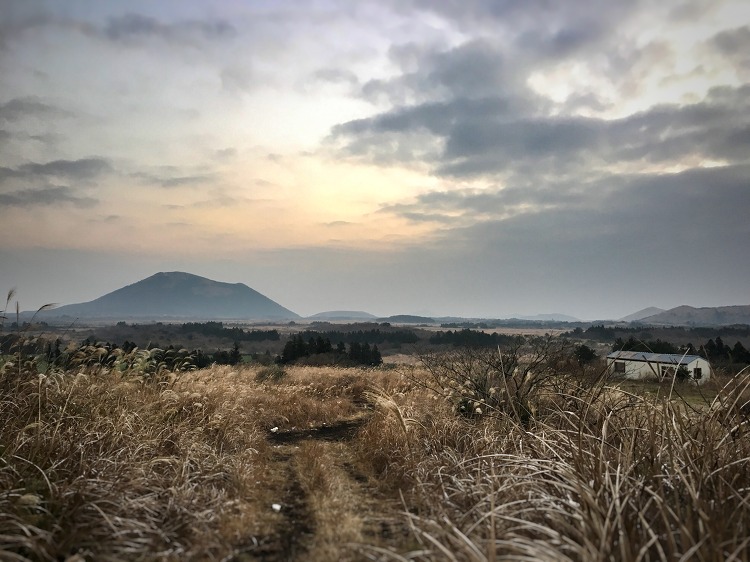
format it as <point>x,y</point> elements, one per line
<point>479,158</point>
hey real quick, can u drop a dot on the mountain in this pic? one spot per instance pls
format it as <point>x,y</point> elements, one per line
<point>342,315</point>
<point>641,314</point>
<point>706,316</point>
<point>178,295</point>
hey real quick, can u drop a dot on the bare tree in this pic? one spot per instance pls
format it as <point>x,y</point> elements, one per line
<point>483,381</point>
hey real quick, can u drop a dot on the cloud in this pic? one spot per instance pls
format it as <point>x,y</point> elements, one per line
<point>136,27</point>
<point>169,181</point>
<point>225,154</point>
<point>83,168</point>
<point>480,137</point>
<point>12,27</point>
<point>19,108</point>
<point>679,235</point>
<point>127,29</point>
<point>487,106</point>
<point>458,207</point>
<point>335,75</point>
<point>537,29</point>
<point>475,69</point>
<point>45,196</point>
<point>79,170</point>
<point>734,44</point>
<point>217,199</point>
<point>688,204</point>
<point>236,79</point>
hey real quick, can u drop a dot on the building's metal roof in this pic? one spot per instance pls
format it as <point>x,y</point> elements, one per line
<point>670,358</point>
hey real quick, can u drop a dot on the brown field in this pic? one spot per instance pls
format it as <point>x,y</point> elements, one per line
<point>452,458</point>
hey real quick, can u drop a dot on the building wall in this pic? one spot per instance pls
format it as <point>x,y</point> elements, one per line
<point>645,369</point>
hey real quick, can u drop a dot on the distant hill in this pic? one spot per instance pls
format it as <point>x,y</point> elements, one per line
<point>178,295</point>
<point>554,317</point>
<point>407,319</point>
<point>706,316</point>
<point>342,315</point>
<point>641,314</point>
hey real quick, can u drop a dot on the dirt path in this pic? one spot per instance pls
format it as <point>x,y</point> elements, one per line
<point>327,506</point>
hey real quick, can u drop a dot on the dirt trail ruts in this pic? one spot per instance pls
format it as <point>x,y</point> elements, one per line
<point>340,431</point>
<point>295,536</point>
<point>288,540</point>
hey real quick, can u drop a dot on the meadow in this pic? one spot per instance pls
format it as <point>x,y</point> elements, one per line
<point>465,455</point>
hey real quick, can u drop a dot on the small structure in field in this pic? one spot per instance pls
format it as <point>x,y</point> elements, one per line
<point>640,365</point>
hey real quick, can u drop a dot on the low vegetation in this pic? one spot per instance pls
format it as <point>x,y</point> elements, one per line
<point>523,452</point>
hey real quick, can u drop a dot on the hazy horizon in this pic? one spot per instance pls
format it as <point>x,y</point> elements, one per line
<point>536,315</point>
<point>486,158</point>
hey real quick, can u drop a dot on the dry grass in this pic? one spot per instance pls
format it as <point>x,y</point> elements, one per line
<point>109,468</point>
<point>365,465</point>
<point>598,475</point>
<point>107,465</point>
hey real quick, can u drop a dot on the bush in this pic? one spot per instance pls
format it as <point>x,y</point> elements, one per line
<point>271,373</point>
<point>482,382</point>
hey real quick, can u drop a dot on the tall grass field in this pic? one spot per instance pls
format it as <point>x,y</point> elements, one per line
<point>466,456</point>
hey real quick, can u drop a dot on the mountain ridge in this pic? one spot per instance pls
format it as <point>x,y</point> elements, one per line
<point>177,294</point>
<point>685,315</point>
<point>641,314</point>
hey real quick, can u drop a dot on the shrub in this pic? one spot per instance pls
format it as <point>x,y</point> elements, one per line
<point>507,381</point>
<point>271,373</point>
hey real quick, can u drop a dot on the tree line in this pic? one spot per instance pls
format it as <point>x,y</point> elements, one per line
<point>471,338</point>
<point>374,336</point>
<point>218,330</point>
<point>358,353</point>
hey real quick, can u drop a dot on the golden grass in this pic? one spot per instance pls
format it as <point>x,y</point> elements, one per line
<point>598,475</point>
<point>356,464</point>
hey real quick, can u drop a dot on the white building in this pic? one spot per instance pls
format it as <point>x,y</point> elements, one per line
<point>639,365</point>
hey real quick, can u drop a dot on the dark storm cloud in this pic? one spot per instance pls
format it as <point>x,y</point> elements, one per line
<point>693,212</point>
<point>487,137</point>
<point>469,110</point>
<point>80,170</point>
<point>678,232</point>
<point>45,196</point>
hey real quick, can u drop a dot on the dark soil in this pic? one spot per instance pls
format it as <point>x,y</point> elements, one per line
<point>340,431</point>
<point>291,540</point>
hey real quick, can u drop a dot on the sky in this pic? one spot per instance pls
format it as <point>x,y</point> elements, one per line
<point>481,158</point>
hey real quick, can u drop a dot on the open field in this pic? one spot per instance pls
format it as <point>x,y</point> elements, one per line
<point>452,458</point>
